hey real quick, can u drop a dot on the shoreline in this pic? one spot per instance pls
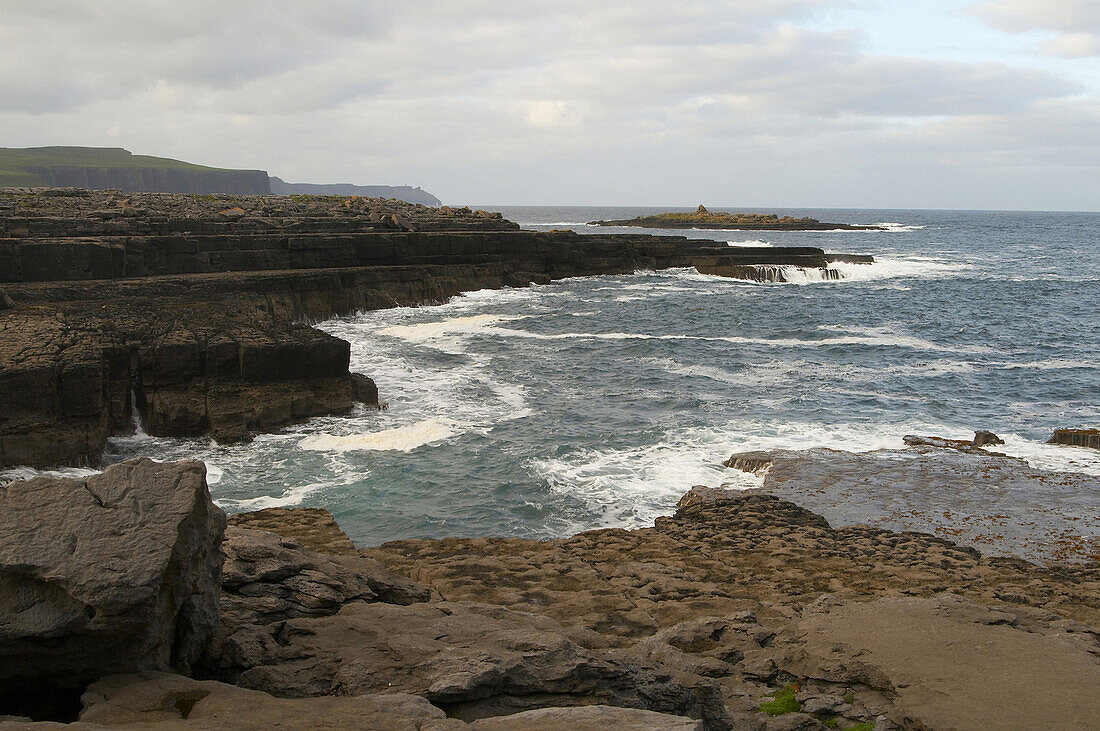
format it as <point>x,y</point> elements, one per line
<point>188,308</point>
<point>736,607</point>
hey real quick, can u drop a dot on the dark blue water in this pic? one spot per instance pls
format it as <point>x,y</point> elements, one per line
<point>600,401</point>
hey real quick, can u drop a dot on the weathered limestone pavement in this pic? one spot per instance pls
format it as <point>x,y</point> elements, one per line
<point>737,607</point>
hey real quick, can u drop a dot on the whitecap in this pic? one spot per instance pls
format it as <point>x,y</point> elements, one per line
<point>399,439</point>
<point>290,497</point>
<point>15,474</point>
<point>756,243</point>
<point>1053,457</point>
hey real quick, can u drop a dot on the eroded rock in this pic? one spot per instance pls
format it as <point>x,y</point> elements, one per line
<point>116,572</point>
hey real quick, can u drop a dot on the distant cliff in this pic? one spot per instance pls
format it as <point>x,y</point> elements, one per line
<point>113,168</point>
<point>106,168</point>
<point>400,192</point>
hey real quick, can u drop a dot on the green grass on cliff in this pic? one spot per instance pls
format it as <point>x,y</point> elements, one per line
<point>15,161</point>
<point>782,703</point>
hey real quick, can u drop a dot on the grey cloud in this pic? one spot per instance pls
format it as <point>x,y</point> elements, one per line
<point>548,101</point>
<point>1077,23</point>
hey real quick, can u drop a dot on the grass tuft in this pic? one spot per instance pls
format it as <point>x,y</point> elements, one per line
<point>782,703</point>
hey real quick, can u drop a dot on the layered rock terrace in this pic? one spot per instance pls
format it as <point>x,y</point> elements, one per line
<point>189,310</point>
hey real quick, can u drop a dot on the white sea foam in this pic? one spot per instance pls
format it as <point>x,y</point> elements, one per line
<point>399,439</point>
<point>895,227</point>
<point>29,473</point>
<point>884,267</point>
<point>425,331</point>
<point>631,486</point>
<point>483,325</point>
<point>750,242</point>
<point>889,267</point>
<point>1054,457</point>
<point>289,498</point>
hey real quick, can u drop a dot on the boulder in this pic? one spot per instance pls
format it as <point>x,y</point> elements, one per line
<point>117,572</point>
<point>270,579</point>
<point>983,437</point>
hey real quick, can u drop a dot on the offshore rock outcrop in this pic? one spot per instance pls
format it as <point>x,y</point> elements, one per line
<point>190,308</point>
<point>704,219</point>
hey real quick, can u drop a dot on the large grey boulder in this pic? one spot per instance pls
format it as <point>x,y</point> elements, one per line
<point>117,572</point>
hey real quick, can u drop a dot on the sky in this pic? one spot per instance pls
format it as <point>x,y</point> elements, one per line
<point>990,104</point>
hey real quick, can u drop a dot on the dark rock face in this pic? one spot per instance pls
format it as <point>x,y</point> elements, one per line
<point>118,572</point>
<point>154,180</point>
<point>1076,437</point>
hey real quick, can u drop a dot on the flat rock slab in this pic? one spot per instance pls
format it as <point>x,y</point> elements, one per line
<point>997,504</point>
<point>314,528</point>
<point>475,660</point>
<point>166,702</point>
<point>116,572</point>
<point>952,664</point>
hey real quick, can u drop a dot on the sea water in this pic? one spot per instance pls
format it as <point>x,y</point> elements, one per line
<point>599,401</point>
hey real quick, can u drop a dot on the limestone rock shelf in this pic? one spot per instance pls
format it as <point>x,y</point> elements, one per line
<point>189,307</point>
<point>698,622</point>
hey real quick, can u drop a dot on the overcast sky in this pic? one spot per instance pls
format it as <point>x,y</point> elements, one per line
<point>918,104</point>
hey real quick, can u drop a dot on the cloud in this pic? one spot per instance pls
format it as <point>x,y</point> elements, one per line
<point>490,100</point>
<point>1076,23</point>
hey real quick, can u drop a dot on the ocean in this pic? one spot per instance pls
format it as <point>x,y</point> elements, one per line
<point>599,401</point>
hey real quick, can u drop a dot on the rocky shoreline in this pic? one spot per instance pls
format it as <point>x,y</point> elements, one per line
<point>190,310</point>
<point>741,611</point>
<point>128,599</point>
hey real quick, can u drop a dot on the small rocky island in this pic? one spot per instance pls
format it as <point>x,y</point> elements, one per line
<point>702,218</point>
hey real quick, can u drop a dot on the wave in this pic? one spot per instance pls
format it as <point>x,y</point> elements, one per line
<point>16,474</point>
<point>399,439</point>
<point>1053,457</point>
<point>630,486</point>
<point>290,498</point>
<point>750,242</point>
<point>895,227</point>
<point>449,336</point>
<point>845,272</point>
